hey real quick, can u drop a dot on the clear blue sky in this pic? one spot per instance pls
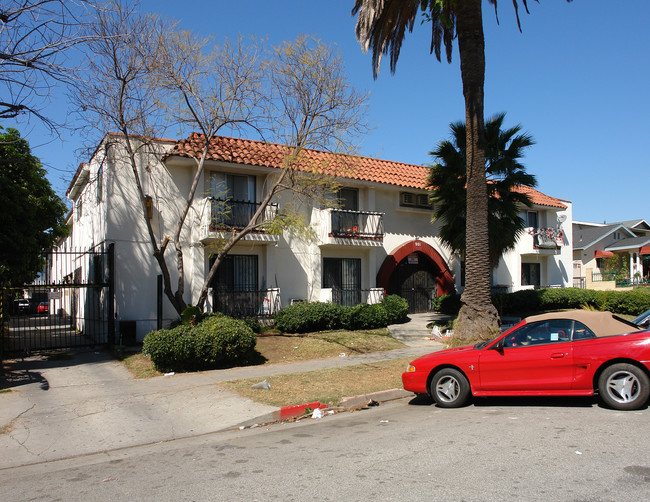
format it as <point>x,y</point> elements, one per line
<point>577,79</point>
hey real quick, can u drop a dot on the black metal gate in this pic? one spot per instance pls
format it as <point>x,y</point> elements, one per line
<point>71,304</point>
<point>414,279</point>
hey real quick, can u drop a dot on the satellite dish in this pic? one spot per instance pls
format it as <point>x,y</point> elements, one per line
<point>561,219</point>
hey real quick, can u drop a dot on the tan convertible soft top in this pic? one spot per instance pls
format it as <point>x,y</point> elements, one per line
<point>601,323</point>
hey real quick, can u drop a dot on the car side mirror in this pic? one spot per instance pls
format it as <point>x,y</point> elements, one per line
<point>498,346</point>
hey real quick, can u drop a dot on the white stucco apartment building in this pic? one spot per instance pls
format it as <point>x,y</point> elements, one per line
<point>380,240</point>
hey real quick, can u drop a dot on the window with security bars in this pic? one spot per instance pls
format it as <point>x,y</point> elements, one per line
<point>237,273</point>
<point>343,275</point>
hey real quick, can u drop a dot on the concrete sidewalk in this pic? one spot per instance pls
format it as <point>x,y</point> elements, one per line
<point>91,403</point>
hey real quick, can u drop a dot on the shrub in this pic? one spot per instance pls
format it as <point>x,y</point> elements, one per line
<point>523,303</point>
<point>253,324</point>
<point>632,302</point>
<point>447,304</point>
<point>166,346</point>
<point>365,316</point>
<point>305,317</point>
<point>397,309</point>
<point>213,343</point>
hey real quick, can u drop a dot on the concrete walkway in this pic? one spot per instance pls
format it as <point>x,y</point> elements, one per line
<point>58,409</point>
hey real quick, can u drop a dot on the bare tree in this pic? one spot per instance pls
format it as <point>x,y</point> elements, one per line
<point>143,75</point>
<point>208,88</point>
<point>36,38</point>
<point>311,105</point>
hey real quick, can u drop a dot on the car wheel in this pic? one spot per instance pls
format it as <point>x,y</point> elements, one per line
<point>624,387</point>
<point>449,388</point>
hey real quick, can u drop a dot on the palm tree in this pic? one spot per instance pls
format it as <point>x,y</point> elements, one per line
<point>382,25</point>
<point>504,173</point>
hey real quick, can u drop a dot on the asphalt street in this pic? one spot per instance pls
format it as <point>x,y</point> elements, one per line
<point>505,450</point>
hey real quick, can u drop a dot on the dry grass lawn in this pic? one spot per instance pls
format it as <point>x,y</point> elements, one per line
<point>280,348</point>
<point>276,348</point>
<point>325,386</point>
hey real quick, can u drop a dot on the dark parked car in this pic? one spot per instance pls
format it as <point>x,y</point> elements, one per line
<point>22,306</point>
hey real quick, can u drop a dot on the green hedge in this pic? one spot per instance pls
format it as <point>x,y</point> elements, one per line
<point>527,302</point>
<point>215,342</point>
<point>309,317</point>
<point>364,316</point>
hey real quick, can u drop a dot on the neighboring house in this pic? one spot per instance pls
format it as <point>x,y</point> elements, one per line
<point>380,238</point>
<point>595,242</point>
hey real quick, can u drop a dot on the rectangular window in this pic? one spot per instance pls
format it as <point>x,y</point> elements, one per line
<point>232,187</point>
<point>100,183</point>
<point>531,274</point>
<point>532,219</point>
<point>233,203</point>
<point>348,199</point>
<point>237,273</point>
<point>343,275</point>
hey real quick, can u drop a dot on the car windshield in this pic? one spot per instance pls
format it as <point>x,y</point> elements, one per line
<point>481,345</point>
<point>643,320</point>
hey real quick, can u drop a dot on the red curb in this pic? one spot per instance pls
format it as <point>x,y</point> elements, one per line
<point>298,409</point>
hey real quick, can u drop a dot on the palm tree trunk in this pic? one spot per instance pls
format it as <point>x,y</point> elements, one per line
<point>477,315</point>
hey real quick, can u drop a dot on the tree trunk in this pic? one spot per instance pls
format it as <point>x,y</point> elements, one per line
<point>478,316</point>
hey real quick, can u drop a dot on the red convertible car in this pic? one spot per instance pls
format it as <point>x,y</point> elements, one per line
<point>576,353</point>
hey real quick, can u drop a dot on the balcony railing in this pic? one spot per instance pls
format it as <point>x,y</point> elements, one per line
<point>547,238</point>
<point>229,214</point>
<point>357,224</point>
<point>243,304</point>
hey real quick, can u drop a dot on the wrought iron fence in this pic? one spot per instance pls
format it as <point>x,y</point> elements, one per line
<point>243,304</point>
<point>70,304</point>
<point>350,297</point>
<point>621,279</point>
<point>605,276</point>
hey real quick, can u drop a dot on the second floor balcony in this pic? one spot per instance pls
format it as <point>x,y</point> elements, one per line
<point>226,216</point>
<point>542,241</point>
<point>345,227</point>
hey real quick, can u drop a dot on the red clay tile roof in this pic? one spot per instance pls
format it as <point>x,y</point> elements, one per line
<point>261,154</point>
<point>540,199</point>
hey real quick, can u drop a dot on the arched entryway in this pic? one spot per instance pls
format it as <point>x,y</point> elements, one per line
<point>417,272</point>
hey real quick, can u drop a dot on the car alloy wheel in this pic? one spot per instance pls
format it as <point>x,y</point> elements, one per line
<point>449,388</point>
<point>624,387</point>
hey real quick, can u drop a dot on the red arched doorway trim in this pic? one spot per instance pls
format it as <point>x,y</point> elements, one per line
<point>445,279</point>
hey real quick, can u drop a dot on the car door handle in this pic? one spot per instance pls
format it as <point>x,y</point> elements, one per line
<point>558,355</point>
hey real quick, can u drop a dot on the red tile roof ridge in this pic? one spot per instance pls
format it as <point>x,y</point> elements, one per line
<point>363,168</point>
<point>401,174</point>
<point>314,150</point>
